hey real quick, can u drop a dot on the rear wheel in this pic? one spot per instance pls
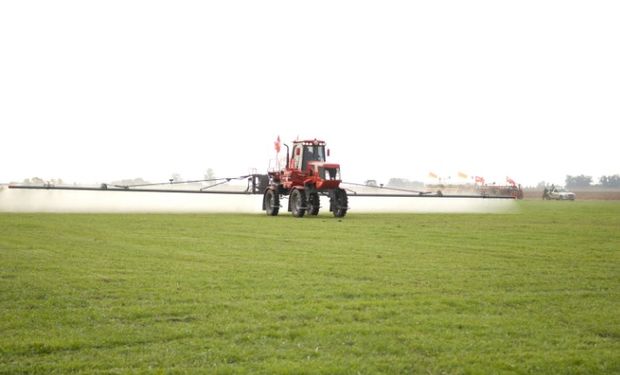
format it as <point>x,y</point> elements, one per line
<point>339,202</point>
<point>314,204</point>
<point>298,203</point>
<point>271,202</point>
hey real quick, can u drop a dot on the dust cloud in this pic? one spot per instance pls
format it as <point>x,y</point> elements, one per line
<point>16,200</point>
<point>71,201</point>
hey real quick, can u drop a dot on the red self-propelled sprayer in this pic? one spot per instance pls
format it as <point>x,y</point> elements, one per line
<point>306,176</point>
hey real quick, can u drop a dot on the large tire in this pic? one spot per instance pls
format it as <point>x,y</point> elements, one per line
<point>314,204</point>
<point>339,202</point>
<point>271,202</point>
<point>297,203</point>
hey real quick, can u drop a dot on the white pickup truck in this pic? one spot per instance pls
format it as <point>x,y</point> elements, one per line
<point>559,194</point>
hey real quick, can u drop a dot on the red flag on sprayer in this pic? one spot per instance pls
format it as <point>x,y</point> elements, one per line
<point>278,145</point>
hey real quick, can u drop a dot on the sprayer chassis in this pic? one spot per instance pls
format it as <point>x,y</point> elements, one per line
<point>306,177</point>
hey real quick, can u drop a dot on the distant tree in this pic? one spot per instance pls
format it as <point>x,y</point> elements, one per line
<point>541,185</point>
<point>372,183</point>
<point>578,181</point>
<point>610,181</point>
<point>210,174</point>
<point>397,182</point>
<point>130,182</point>
<point>404,183</point>
<point>40,181</point>
<point>33,181</point>
<point>176,177</point>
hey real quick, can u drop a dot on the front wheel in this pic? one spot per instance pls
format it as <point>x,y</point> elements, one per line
<point>298,203</point>
<point>339,202</point>
<point>314,204</point>
<point>271,203</point>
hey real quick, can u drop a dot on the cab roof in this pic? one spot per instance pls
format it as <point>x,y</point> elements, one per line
<point>314,142</point>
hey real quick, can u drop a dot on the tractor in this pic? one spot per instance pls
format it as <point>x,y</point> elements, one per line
<point>307,176</point>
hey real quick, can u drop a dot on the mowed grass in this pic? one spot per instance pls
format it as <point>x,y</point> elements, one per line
<point>536,291</point>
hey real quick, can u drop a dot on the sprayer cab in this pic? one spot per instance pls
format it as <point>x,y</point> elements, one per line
<point>307,167</point>
<point>306,176</point>
<point>305,152</point>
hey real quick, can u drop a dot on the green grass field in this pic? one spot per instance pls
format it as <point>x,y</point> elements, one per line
<point>536,291</point>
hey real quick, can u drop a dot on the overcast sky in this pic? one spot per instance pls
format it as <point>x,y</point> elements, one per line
<point>95,91</point>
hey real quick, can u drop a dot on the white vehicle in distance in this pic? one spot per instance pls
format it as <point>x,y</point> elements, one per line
<point>559,194</point>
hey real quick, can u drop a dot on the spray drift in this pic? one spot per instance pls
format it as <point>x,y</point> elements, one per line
<point>72,201</point>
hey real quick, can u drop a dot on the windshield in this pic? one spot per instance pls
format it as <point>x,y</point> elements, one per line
<point>314,153</point>
<point>329,173</point>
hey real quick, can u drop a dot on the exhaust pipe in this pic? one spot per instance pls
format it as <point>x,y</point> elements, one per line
<point>287,155</point>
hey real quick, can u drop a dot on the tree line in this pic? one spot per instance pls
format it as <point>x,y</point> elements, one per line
<point>586,181</point>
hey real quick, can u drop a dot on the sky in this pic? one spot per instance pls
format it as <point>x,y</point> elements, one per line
<point>97,91</point>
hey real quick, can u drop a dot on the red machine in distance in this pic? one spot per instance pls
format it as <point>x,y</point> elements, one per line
<point>307,176</point>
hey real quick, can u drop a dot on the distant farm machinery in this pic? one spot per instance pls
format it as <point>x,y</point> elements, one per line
<point>306,176</point>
